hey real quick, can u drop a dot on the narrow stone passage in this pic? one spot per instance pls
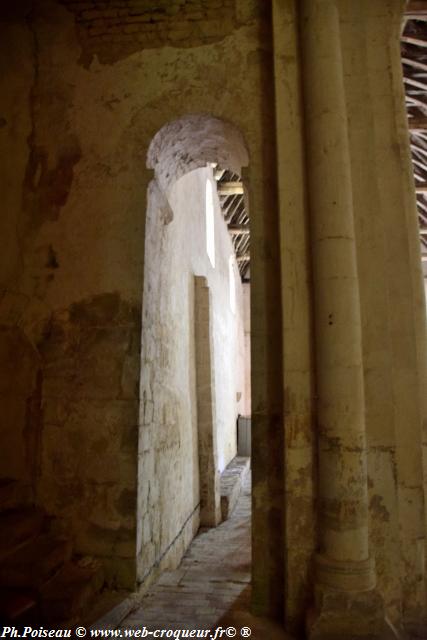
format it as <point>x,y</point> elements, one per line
<point>215,571</point>
<point>211,587</point>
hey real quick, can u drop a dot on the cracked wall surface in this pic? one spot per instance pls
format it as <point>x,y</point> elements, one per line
<point>78,115</point>
<point>120,28</point>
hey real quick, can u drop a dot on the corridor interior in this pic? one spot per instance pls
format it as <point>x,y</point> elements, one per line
<point>180,179</point>
<point>211,583</point>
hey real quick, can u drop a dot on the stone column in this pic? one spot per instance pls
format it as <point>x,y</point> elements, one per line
<point>210,495</point>
<point>344,570</point>
<point>298,368</point>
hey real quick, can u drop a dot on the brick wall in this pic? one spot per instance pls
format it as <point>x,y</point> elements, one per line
<point>118,28</point>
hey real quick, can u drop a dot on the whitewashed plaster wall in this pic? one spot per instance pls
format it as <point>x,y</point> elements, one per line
<point>175,251</point>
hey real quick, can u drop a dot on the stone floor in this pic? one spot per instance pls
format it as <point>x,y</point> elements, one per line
<point>211,587</point>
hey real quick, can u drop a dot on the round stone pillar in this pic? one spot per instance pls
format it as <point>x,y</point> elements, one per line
<point>343,562</point>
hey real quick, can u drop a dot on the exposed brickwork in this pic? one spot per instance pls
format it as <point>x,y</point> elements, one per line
<point>118,28</point>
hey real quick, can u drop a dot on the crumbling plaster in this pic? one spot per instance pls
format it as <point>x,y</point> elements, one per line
<point>74,152</point>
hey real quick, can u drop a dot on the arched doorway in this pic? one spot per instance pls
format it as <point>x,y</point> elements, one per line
<point>193,383</point>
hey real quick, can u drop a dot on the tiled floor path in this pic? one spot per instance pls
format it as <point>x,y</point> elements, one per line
<point>211,587</point>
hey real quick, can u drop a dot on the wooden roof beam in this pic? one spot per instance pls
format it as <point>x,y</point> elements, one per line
<point>238,229</point>
<point>411,101</point>
<point>419,150</point>
<point>230,188</point>
<point>415,83</point>
<point>417,7</point>
<point>419,164</point>
<point>218,173</point>
<point>414,16</point>
<point>422,217</point>
<point>418,42</point>
<point>414,63</point>
<point>233,209</point>
<point>418,146</point>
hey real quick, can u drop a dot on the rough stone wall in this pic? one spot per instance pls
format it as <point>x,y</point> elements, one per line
<point>88,475</point>
<point>19,374</point>
<point>74,135</point>
<point>118,28</point>
<point>20,400</point>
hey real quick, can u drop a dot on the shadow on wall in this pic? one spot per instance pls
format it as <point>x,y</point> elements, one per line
<point>21,416</point>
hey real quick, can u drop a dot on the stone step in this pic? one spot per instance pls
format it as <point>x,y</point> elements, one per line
<point>232,479</point>
<point>13,494</point>
<point>18,526</point>
<point>68,595</point>
<point>110,609</point>
<point>33,563</point>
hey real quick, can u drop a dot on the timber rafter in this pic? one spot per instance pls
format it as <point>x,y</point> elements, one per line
<point>414,63</point>
<point>234,208</point>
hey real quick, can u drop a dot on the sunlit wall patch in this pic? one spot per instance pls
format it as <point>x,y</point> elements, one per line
<point>210,223</point>
<point>232,283</point>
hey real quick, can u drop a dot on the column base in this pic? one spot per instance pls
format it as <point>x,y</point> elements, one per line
<point>345,576</point>
<point>351,615</point>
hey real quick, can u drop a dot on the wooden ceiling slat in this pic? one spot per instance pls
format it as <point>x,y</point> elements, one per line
<point>415,83</point>
<point>422,217</point>
<point>238,229</point>
<point>418,150</point>
<point>414,60</point>
<point>230,188</point>
<point>414,63</point>
<point>419,163</point>
<point>418,42</point>
<point>421,205</point>
<point>421,105</point>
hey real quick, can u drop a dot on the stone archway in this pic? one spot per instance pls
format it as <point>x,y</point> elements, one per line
<point>169,498</point>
